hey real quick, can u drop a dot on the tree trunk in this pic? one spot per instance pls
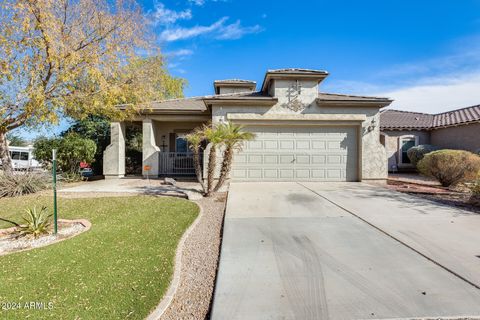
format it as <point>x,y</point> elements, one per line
<point>198,167</point>
<point>226,167</point>
<point>212,163</point>
<point>4,154</point>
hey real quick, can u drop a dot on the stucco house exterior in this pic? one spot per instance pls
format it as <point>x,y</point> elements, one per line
<point>301,133</point>
<point>401,130</point>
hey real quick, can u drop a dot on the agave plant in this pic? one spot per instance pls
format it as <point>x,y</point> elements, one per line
<point>37,223</point>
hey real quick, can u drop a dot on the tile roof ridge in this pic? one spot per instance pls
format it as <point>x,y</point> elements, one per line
<point>351,95</point>
<point>405,111</point>
<point>460,109</point>
<point>205,96</point>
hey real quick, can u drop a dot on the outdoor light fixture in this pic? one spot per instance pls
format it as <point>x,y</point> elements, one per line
<point>372,126</point>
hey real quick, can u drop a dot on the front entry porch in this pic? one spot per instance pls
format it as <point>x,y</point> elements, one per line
<point>177,164</point>
<point>165,151</point>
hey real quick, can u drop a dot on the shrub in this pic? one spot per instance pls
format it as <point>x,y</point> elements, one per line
<point>72,149</point>
<point>450,167</point>
<point>13,184</point>
<point>475,189</point>
<point>37,223</point>
<point>71,177</point>
<point>415,154</point>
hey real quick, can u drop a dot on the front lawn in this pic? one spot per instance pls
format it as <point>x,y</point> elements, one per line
<point>119,269</point>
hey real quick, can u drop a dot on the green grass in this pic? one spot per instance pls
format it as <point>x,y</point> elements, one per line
<point>119,269</point>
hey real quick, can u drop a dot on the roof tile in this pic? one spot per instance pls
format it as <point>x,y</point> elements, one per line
<point>395,119</point>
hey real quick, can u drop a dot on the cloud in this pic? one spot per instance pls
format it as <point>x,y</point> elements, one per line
<point>237,31</point>
<point>164,16</point>
<point>179,53</point>
<point>436,95</point>
<point>202,2</point>
<point>197,2</point>
<point>432,85</point>
<point>186,33</point>
<point>218,30</point>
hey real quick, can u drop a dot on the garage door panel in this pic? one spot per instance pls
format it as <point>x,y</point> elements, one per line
<point>302,145</point>
<point>270,145</point>
<point>286,173</point>
<point>318,145</point>
<point>270,173</point>
<point>302,173</point>
<point>287,144</point>
<point>299,153</point>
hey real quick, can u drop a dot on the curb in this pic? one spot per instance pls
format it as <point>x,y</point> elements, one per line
<point>177,270</point>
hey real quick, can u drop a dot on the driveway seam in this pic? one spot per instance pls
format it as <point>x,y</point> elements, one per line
<point>393,237</point>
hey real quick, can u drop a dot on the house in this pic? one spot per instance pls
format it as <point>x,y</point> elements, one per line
<point>401,130</point>
<point>301,133</point>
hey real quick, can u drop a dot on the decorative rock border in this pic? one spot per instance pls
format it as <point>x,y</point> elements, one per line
<point>190,293</point>
<point>87,225</point>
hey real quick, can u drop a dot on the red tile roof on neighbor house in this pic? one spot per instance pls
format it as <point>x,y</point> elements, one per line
<point>399,120</point>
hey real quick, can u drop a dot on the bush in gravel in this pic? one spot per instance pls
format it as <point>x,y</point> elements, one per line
<point>475,189</point>
<point>415,154</point>
<point>450,167</point>
<point>18,183</point>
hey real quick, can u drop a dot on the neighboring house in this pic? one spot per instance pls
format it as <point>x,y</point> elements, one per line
<point>301,133</point>
<point>401,130</point>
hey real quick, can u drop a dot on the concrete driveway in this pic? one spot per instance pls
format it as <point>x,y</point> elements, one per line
<point>344,251</point>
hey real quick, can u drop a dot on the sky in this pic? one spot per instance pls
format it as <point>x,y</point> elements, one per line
<point>424,54</point>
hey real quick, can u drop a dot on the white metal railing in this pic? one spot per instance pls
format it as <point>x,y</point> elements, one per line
<point>177,163</point>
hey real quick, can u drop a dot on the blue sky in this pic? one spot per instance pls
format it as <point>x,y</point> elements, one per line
<point>424,54</point>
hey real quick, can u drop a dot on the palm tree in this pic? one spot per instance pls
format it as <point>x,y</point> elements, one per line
<point>214,137</point>
<point>233,138</point>
<point>195,140</point>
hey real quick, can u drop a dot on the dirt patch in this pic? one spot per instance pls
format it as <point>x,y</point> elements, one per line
<point>458,198</point>
<point>10,242</point>
<point>200,255</point>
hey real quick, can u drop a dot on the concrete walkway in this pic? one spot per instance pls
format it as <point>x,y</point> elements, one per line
<point>294,251</point>
<point>190,190</point>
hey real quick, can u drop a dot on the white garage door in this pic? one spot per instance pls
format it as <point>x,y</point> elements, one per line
<point>298,153</point>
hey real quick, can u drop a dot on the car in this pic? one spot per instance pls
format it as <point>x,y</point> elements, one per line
<point>86,172</point>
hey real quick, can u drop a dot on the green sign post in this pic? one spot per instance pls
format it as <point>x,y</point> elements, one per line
<point>54,174</point>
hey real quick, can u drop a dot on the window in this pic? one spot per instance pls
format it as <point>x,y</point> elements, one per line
<point>181,144</point>
<point>15,155</point>
<point>24,156</point>
<point>406,143</point>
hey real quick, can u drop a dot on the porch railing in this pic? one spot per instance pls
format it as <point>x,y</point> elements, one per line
<point>177,163</point>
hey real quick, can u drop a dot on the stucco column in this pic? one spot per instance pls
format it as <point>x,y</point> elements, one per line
<point>374,155</point>
<point>150,149</point>
<point>114,154</point>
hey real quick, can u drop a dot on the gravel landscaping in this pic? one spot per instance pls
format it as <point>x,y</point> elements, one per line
<point>199,263</point>
<point>458,197</point>
<point>10,243</point>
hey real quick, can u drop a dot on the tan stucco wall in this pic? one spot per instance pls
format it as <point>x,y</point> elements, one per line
<point>392,140</point>
<point>372,154</point>
<point>466,137</point>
